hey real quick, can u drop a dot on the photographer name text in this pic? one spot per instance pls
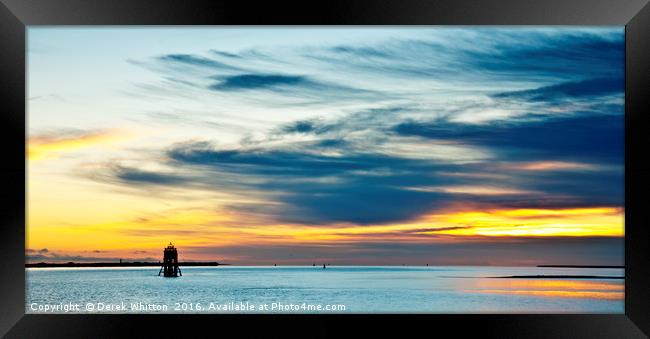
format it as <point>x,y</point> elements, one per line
<point>212,307</point>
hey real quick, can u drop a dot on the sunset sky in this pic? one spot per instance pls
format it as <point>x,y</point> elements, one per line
<point>383,146</point>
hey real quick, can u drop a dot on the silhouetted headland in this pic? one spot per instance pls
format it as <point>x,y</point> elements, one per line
<point>122,264</point>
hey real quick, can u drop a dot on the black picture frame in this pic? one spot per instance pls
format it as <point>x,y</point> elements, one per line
<point>15,15</point>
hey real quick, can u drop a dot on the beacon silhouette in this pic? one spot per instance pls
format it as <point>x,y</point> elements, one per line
<point>170,262</point>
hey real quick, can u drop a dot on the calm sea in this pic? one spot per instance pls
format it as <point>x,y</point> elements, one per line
<point>351,289</point>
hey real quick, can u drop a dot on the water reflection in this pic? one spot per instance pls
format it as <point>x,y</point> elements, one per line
<point>562,288</point>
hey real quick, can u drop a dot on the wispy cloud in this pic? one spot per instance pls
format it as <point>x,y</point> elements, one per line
<point>573,137</point>
<point>196,61</point>
<point>569,90</point>
<point>352,167</point>
<point>255,81</point>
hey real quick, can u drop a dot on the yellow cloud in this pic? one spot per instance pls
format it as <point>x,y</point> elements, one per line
<point>596,221</point>
<point>41,147</point>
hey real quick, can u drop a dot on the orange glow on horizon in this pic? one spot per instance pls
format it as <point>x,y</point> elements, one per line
<point>196,228</point>
<point>618,295</point>
<point>563,288</point>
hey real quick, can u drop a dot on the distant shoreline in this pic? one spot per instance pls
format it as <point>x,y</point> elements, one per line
<point>579,266</point>
<point>117,264</point>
